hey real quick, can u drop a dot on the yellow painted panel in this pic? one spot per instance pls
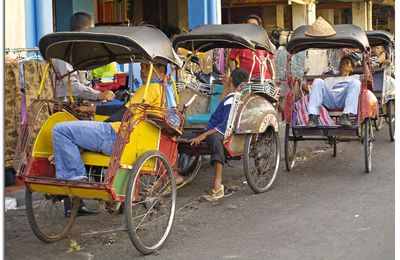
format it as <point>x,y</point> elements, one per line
<point>144,137</point>
<point>100,118</point>
<point>95,159</point>
<point>43,145</point>
<point>70,191</point>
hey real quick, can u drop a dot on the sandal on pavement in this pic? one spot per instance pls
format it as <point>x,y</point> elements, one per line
<point>215,194</point>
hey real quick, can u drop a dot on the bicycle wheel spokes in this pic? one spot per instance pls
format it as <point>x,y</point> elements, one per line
<point>46,215</point>
<point>151,203</point>
<point>261,160</point>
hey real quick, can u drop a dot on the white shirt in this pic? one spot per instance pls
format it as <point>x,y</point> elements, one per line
<point>337,84</point>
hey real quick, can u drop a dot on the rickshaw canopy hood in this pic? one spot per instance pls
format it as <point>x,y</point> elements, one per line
<point>98,46</point>
<point>347,36</point>
<point>241,36</point>
<point>379,37</point>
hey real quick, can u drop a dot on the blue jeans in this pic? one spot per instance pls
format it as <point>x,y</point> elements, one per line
<point>345,98</point>
<point>68,137</point>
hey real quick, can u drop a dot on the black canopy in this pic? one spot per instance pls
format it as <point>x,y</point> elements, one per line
<point>347,36</point>
<point>98,46</point>
<point>207,37</point>
<point>379,37</point>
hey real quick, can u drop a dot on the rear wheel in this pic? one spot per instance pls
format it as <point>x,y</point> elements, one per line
<point>368,142</point>
<point>290,148</point>
<point>150,202</point>
<point>261,160</point>
<point>189,166</point>
<point>46,215</point>
<point>334,144</point>
<point>390,118</point>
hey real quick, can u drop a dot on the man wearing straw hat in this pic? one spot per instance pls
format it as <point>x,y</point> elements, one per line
<point>333,92</point>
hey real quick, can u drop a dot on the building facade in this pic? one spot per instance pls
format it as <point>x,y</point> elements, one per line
<point>26,21</point>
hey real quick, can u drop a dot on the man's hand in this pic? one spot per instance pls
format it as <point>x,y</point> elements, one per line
<point>51,159</point>
<point>198,139</point>
<point>106,95</point>
<point>225,79</point>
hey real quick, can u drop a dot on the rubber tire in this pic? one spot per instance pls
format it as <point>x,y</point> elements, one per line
<point>128,201</point>
<point>289,163</point>
<point>191,172</point>
<point>246,160</point>
<point>367,145</point>
<point>35,227</point>
<point>391,119</point>
<point>334,147</point>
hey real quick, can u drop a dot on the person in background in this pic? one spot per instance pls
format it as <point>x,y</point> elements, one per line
<point>80,85</point>
<point>243,58</point>
<point>106,71</point>
<point>379,55</point>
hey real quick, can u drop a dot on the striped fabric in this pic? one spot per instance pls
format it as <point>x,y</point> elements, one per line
<point>301,108</point>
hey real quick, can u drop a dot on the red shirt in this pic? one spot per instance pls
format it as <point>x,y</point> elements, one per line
<point>246,60</point>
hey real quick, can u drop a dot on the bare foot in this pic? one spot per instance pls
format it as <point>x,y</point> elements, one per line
<point>51,159</point>
<point>178,179</point>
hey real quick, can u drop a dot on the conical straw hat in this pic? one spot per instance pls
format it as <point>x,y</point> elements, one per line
<point>320,28</point>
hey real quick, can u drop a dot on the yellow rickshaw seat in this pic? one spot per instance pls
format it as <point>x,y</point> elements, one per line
<point>95,159</point>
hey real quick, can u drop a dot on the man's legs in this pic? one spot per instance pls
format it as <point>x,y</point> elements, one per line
<point>319,95</point>
<point>347,100</point>
<point>215,143</point>
<point>218,175</point>
<point>351,102</point>
<point>68,137</point>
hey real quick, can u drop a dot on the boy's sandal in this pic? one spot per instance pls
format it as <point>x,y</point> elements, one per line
<point>215,194</point>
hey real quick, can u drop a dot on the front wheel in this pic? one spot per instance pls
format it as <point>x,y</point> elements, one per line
<point>334,144</point>
<point>290,149</point>
<point>390,118</point>
<point>368,142</point>
<point>46,215</point>
<point>150,202</point>
<point>261,160</point>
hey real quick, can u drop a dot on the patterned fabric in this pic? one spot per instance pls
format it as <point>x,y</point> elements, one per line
<point>12,108</point>
<point>33,71</point>
<point>301,108</point>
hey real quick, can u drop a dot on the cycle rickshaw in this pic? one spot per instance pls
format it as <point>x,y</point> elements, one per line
<point>349,37</point>
<point>139,173</point>
<point>252,128</point>
<point>383,80</point>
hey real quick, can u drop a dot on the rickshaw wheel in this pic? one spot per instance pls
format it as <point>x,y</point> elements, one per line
<point>290,149</point>
<point>261,160</point>
<point>150,202</point>
<point>368,143</point>
<point>391,118</point>
<point>189,166</point>
<point>46,215</point>
<point>378,123</point>
<point>334,147</point>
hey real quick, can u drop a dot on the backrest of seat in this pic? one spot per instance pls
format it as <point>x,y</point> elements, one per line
<point>378,80</point>
<point>216,92</point>
<point>43,146</point>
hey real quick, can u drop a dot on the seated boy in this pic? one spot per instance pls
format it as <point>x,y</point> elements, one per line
<point>214,133</point>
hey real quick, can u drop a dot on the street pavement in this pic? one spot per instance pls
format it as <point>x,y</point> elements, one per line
<point>325,208</point>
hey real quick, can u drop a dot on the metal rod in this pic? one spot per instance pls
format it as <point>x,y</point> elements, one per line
<point>21,49</point>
